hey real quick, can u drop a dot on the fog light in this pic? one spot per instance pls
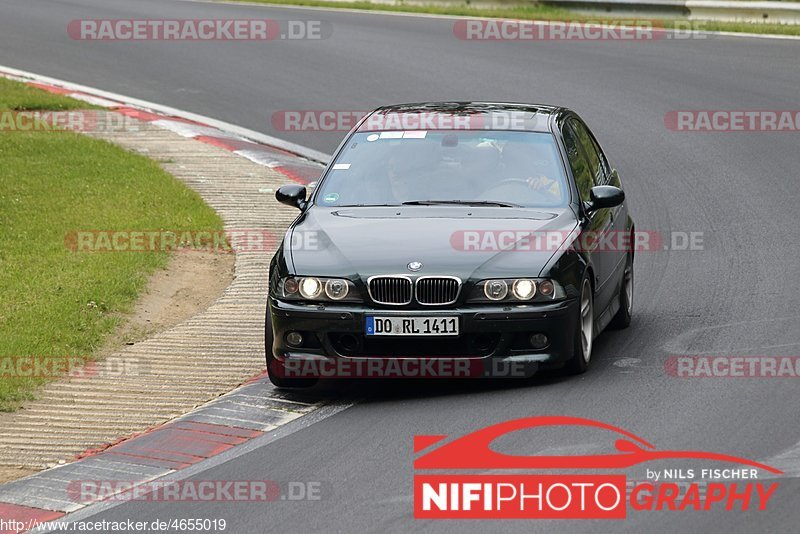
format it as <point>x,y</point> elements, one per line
<point>295,339</point>
<point>539,341</point>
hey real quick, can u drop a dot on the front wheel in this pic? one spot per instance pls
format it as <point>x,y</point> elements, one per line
<point>275,368</point>
<point>584,338</point>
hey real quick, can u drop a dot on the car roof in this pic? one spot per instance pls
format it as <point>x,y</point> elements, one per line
<point>461,116</point>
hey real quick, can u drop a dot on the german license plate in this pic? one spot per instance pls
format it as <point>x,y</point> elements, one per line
<point>412,326</point>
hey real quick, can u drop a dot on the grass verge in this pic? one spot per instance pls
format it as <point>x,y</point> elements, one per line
<point>56,303</point>
<point>536,12</point>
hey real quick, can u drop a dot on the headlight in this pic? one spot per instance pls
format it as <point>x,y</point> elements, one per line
<point>318,289</point>
<point>495,289</point>
<point>521,290</point>
<point>524,289</point>
<point>336,289</point>
<point>310,288</point>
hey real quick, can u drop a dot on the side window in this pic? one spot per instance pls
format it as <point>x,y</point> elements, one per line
<point>597,163</point>
<point>579,164</point>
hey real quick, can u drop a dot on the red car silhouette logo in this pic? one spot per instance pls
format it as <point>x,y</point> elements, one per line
<point>472,451</point>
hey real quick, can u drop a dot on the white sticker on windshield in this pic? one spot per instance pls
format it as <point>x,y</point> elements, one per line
<point>391,135</point>
<point>341,166</point>
<point>373,137</point>
<point>416,134</point>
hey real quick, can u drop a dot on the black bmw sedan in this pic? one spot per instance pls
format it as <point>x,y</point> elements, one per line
<point>479,233</point>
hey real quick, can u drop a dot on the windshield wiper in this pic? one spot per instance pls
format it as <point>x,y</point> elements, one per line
<point>496,203</point>
<point>365,206</point>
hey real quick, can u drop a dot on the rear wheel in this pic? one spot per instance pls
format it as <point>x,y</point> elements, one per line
<point>623,317</point>
<point>584,338</point>
<point>275,368</point>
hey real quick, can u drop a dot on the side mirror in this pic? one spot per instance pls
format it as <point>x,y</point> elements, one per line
<point>605,196</point>
<point>292,195</point>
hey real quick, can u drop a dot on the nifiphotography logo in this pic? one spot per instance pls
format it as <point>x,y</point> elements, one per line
<point>585,491</point>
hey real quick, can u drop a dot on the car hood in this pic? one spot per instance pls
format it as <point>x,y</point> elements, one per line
<point>468,242</point>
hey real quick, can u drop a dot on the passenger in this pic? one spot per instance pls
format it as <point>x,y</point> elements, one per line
<point>480,166</point>
<point>401,180</point>
<point>412,171</point>
<point>397,184</point>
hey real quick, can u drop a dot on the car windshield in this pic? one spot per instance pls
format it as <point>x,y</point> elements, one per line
<point>481,168</point>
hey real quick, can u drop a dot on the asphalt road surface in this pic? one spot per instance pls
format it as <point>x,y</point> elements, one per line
<point>738,296</point>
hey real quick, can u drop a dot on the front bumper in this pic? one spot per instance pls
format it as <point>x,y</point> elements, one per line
<point>495,336</point>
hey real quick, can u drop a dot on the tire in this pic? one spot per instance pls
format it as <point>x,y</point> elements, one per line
<point>275,369</point>
<point>623,317</point>
<point>584,331</point>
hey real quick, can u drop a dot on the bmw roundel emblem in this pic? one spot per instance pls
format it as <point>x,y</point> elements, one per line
<point>414,266</point>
